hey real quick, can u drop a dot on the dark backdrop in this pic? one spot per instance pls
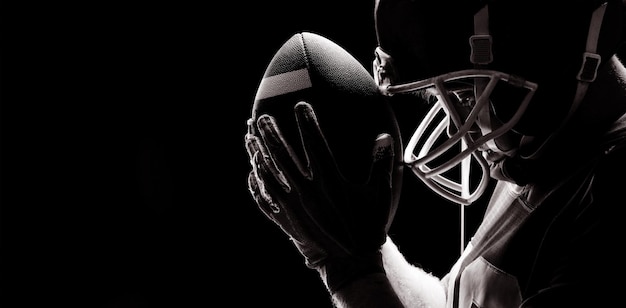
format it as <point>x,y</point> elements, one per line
<point>124,171</point>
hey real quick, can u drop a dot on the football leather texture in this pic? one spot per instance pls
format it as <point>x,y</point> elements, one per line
<point>350,109</point>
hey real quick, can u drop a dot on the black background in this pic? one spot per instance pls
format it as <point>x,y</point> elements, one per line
<point>123,165</point>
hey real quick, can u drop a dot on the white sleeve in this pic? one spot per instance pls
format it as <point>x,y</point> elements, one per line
<point>415,287</point>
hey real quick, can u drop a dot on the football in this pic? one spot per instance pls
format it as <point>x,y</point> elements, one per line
<point>351,111</point>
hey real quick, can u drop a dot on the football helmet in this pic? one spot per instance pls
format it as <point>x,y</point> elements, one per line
<point>482,68</point>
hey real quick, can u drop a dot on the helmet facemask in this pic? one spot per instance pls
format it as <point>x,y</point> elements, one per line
<point>451,138</point>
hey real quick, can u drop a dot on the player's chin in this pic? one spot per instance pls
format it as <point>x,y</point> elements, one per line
<point>496,165</point>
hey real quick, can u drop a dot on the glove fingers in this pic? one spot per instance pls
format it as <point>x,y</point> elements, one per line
<point>283,155</point>
<point>261,196</point>
<point>275,197</point>
<point>264,155</point>
<point>289,216</point>
<point>271,199</point>
<point>251,143</point>
<point>319,155</point>
<point>267,208</point>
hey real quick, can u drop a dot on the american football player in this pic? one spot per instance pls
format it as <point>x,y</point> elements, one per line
<point>530,94</point>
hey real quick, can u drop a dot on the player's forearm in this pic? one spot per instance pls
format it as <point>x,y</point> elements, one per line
<point>414,286</point>
<point>399,285</point>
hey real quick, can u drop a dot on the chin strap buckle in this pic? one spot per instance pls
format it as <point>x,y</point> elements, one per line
<point>481,42</point>
<point>589,68</point>
<point>481,49</point>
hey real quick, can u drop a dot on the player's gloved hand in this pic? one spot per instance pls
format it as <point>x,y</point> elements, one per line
<point>337,225</point>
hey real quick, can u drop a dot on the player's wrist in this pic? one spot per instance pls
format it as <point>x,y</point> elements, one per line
<point>338,272</point>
